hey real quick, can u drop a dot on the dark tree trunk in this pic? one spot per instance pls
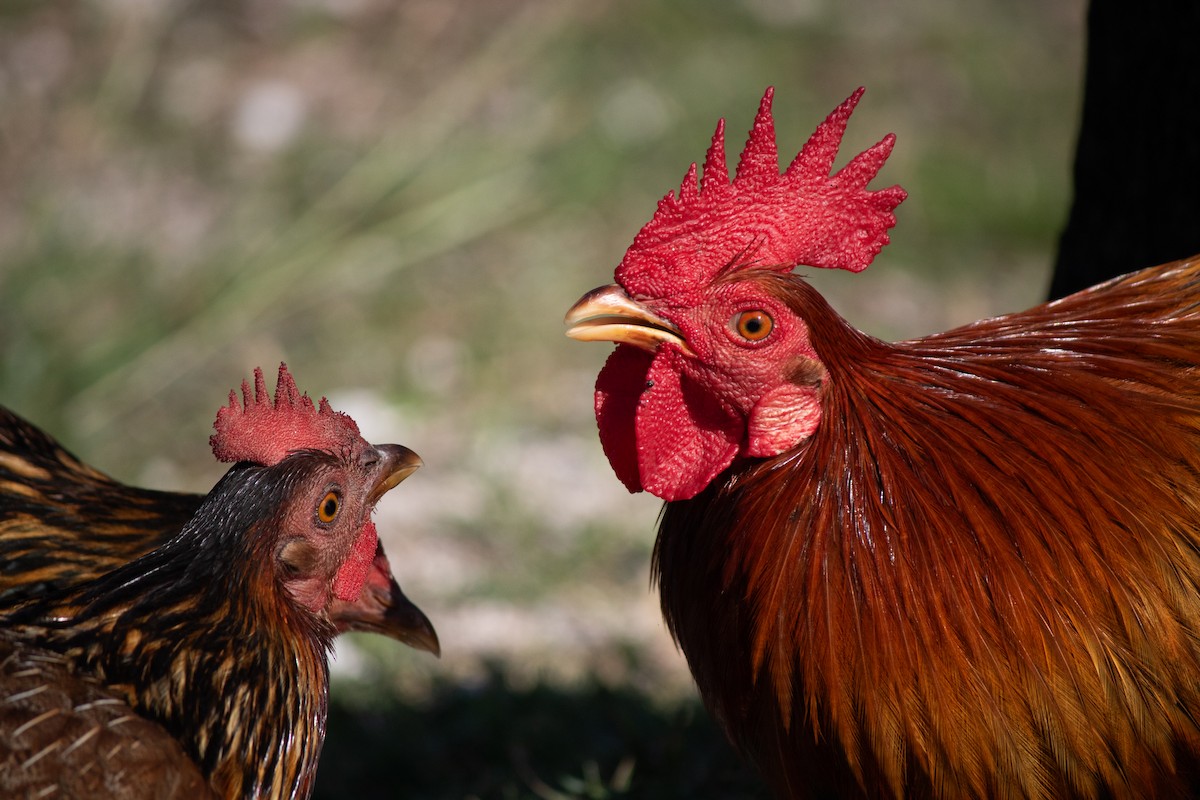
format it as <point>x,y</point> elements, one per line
<point>1137,161</point>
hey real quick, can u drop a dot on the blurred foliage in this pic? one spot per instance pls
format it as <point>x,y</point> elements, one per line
<point>188,189</point>
<point>400,199</point>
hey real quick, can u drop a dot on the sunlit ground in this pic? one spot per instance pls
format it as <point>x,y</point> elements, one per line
<point>401,200</point>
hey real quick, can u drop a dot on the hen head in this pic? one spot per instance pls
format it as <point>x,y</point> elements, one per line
<point>326,544</point>
<point>710,363</point>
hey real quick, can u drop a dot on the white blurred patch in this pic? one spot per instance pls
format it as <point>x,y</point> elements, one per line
<point>377,420</point>
<point>269,116</point>
<point>347,661</point>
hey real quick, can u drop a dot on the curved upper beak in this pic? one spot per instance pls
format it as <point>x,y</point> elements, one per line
<point>608,314</point>
<point>398,462</point>
<point>382,607</point>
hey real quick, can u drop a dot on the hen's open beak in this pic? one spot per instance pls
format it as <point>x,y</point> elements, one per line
<point>608,314</point>
<point>381,606</point>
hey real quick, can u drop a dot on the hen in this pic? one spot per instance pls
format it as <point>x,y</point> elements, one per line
<point>966,565</point>
<point>204,662</point>
<point>63,522</point>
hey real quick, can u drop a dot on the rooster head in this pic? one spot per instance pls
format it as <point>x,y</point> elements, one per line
<point>710,364</point>
<point>328,552</point>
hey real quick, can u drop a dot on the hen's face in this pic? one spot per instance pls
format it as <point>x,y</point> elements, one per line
<point>327,545</point>
<point>698,380</point>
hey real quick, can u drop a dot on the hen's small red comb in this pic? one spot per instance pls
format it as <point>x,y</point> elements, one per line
<point>265,431</point>
<point>762,218</point>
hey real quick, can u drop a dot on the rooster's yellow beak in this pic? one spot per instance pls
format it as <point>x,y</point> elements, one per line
<point>608,314</point>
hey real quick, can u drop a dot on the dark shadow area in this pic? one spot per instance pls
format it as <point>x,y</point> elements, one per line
<point>490,740</point>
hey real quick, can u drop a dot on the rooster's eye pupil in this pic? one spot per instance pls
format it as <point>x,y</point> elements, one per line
<point>754,325</point>
<point>328,508</point>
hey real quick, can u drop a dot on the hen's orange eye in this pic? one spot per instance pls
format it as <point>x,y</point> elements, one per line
<point>753,325</point>
<point>328,510</point>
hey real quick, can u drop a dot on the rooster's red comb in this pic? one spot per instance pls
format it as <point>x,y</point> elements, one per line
<point>762,218</point>
<point>265,431</point>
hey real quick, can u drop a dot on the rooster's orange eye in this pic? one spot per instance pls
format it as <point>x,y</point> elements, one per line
<point>753,326</point>
<point>328,510</point>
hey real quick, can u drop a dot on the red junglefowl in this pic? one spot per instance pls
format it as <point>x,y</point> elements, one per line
<point>966,565</point>
<point>63,522</point>
<point>213,646</point>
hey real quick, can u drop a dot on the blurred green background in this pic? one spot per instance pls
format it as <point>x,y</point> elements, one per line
<point>401,200</point>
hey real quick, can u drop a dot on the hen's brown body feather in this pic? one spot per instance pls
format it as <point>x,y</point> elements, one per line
<point>63,522</point>
<point>63,735</point>
<point>981,575</point>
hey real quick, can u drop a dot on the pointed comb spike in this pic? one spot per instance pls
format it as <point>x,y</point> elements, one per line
<point>815,159</point>
<point>863,168</point>
<point>805,216</point>
<point>265,430</point>
<point>285,387</point>
<point>759,162</point>
<point>260,386</point>
<point>716,174</point>
<point>689,188</point>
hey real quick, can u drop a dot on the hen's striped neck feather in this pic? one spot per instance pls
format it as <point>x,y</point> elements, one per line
<point>200,636</point>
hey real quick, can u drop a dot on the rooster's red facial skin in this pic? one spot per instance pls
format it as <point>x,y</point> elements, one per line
<point>674,415</point>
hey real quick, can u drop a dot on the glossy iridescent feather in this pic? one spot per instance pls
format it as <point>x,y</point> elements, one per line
<point>199,637</point>
<point>980,577</point>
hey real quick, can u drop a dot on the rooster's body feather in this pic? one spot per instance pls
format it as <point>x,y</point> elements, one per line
<point>984,579</point>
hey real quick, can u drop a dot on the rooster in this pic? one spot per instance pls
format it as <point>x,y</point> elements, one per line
<point>966,565</point>
<point>63,522</point>
<point>214,645</point>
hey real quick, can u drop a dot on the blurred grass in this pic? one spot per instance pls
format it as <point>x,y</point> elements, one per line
<point>400,200</point>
